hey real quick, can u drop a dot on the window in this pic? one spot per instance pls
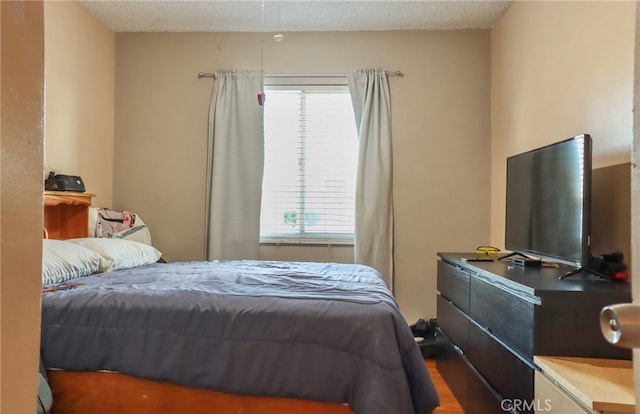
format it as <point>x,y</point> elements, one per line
<point>311,153</point>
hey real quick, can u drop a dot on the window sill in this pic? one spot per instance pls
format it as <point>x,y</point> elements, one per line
<point>305,241</point>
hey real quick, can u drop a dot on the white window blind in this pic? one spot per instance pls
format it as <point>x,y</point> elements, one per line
<point>311,152</point>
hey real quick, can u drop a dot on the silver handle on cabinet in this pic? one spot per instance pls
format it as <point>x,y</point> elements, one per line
<point>620,324</point>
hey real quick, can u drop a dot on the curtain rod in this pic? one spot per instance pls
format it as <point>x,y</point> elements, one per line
<point>303,75</point>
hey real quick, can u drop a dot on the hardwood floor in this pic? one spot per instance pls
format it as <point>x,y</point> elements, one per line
<point>448,402</point>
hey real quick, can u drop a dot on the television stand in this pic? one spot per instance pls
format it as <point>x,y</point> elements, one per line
<point>582,270</point>
<point>524,256</point>
<point>493,319</point>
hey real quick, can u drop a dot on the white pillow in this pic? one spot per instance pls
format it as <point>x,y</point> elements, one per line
<point>62,261</point>
<point>120,253</point>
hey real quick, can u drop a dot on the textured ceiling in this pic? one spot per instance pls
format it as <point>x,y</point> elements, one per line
<point>294,15</point>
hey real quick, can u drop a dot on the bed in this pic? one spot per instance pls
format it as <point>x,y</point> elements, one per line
<point>310,336</point>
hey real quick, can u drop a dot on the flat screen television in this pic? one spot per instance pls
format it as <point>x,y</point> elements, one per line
<point>548,202</point>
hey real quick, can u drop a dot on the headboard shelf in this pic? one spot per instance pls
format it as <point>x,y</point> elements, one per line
<point>66,214</point>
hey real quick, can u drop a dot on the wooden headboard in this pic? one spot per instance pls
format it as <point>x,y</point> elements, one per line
<point>66,214</point>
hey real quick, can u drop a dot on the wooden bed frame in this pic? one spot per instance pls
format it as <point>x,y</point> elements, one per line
<point>67,216</point>
<point>114,393</point>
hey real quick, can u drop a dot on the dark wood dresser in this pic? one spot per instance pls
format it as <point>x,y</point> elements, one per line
<point>494,317</point>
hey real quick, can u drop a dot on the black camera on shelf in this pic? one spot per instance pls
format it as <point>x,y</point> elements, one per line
<point>610,266</point>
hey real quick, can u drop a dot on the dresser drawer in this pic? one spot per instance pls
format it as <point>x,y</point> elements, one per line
<point>453,368</point>
<point>453,283</point>
<point>472,391</point>
<point>505,314</point>
<point>453,322</point>
<point>511,376</point>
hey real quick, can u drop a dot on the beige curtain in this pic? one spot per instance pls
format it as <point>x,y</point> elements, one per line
<point>234,167</point>
<point>374,189</point>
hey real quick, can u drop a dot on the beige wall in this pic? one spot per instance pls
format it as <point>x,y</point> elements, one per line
<point>80,73</point>
<point>559,69</point>
<point>21,140</point>
<point>441,112</point>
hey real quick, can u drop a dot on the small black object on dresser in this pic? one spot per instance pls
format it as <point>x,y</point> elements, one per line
<point>494,317</point>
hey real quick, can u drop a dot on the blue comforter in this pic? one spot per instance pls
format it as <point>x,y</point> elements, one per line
<point>319,331</point>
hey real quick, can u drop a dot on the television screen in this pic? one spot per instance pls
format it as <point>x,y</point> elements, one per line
<point>548,202</point>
